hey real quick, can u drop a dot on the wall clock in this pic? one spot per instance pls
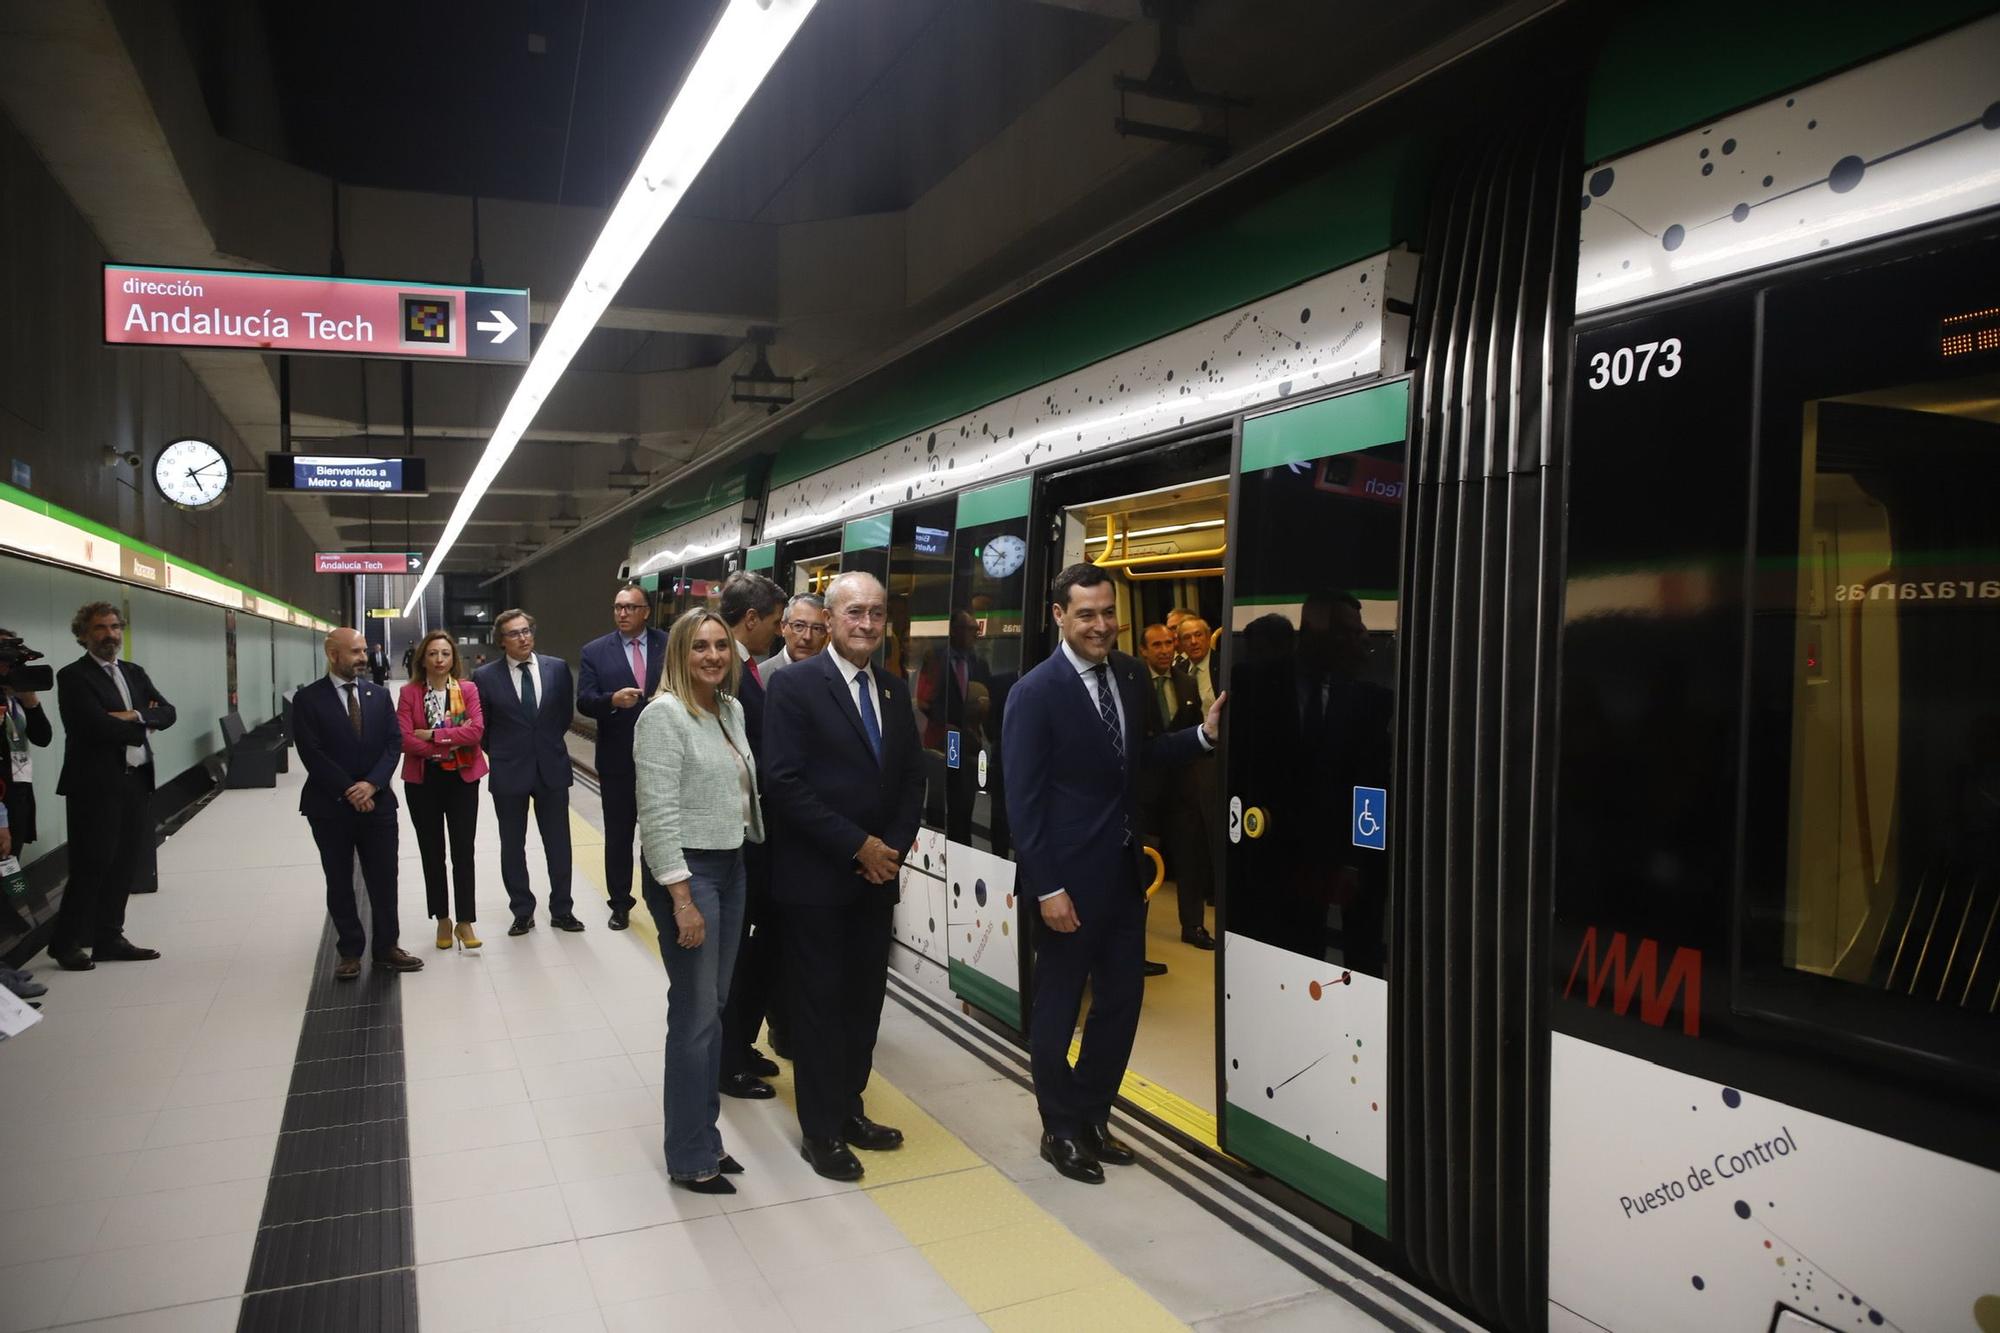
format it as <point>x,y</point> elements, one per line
<point>192,474</point>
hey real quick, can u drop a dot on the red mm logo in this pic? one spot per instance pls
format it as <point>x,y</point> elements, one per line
<point>1683,975</point>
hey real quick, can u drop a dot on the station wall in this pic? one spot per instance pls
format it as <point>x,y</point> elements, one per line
<point>184,646</point>
<point>65,398</point>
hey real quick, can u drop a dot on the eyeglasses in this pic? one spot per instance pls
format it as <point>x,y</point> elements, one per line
<point>872,615</point>
<point>622,607</point>
<point>518,634</point>
<point>806,627</point>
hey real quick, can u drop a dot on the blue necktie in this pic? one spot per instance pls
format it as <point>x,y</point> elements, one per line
<point>868,722</point>
<point>530,705</point>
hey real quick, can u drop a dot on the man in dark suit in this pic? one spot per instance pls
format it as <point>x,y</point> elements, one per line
<point>529,700</point>
<point>618,674</point>
<point>378,663</point>
<point>109,711</point>
<point>350,743</point>
<point>1076,742</point>
<point>843,791</point>
<point>1176,801</point>
<point>752,606</point>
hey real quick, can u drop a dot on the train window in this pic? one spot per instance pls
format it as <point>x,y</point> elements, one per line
<point>1881,455</point>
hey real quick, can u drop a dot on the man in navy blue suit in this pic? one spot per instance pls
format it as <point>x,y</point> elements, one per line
<point>618,674</point>
<point>528,700</point>
<point>1076,740</point>
<point>843,789</point>
<point>752,606</point>
<point>350,743</point>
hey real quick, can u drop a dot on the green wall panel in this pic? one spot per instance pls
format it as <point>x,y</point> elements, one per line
<point>761,557</point>
<point>1148,288</point>
<point>865,534</point>
<point>994,504</point>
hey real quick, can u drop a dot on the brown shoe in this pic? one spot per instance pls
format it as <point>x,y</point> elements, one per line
<point>347,969</point>
<point>397,960</point>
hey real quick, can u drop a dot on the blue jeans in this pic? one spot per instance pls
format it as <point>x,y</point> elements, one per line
<point>697,986</point>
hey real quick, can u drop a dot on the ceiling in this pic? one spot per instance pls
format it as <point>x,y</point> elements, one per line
<point>906,164</point>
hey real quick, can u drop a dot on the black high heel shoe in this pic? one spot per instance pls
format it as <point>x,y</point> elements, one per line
<point>714,1184</point>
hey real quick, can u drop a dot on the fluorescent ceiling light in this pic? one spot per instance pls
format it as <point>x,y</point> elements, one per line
<point>746,41</point>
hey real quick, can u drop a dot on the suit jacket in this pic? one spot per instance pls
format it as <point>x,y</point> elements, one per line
<point>1155,781</point>
<point>604,670</point>
<point>824,793</point>
<point>94,741</point>
<point>526,757</point>
<point>750,694</point>
<point>417,754</point>
<point>1069,798</point>
<point>334,757</point>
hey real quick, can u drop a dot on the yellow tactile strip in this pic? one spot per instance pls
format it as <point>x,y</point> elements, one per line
<point>1014,1264</point>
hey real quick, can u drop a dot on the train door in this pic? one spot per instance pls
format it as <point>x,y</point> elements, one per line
<point>806,563</point>
<point>962,689</point>
<point>916,648</point>
<point>1310,666</point>
<point>1157,521</point>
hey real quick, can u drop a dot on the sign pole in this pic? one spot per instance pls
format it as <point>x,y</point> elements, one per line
<point>284,404</point>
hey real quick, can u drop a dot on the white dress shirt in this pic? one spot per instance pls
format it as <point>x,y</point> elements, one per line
<point>135,755</point>
<point>514,674</point>
<point>848,673</point>
<point>1088,671</point>
<point>1203,673</point>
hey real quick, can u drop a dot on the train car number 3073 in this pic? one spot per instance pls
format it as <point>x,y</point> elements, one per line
<point>1629,365</point>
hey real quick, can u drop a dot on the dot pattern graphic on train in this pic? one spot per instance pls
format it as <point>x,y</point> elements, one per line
<point>1893,144</point>
<point>1338,327</point>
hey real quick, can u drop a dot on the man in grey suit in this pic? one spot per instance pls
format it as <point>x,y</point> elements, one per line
<point>529,700</point>
<point>803,629</point>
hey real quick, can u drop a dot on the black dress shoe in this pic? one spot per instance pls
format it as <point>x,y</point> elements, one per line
<point>72,960</point>
<point>747,1086</point>
<point>861,1132</point>
<point>1071,1159</point>
<point>1153,969</point>
<point>830,1158</point>
<point>715,1184</point>
<point>762,1065</point>
<point>122,950</point>
<point>620,919</point>
<point>1100,1143</point>
<point>729,1166</point>
<point>1198,937</point>
<point>522,925</point>
<point>569,923</point>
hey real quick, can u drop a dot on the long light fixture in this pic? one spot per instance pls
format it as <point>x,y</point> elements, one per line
<point>746,41</point>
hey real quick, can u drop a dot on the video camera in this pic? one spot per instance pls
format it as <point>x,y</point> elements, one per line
<point>16,673</point>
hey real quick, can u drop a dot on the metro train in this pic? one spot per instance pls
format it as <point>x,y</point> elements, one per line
<point>1594,477</point>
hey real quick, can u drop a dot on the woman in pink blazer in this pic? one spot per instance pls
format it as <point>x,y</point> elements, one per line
<point>442,765</point>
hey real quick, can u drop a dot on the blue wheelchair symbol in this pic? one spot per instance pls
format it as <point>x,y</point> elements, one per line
<point>1371,818</point>
<point>951,749</point>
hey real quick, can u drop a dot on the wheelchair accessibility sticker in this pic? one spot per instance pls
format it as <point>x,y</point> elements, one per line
<point>951,750</point>
<point>1371,818</point>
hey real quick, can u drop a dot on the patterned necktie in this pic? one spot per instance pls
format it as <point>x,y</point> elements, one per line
<point>529,703</point>
<point>868,721</point>
<point>1108,710</point>
<point>354,707</point>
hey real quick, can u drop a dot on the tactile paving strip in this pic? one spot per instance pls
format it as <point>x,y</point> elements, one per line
<point>335,1246</point>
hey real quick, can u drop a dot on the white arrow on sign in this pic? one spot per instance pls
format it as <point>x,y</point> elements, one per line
<point>501,327</point>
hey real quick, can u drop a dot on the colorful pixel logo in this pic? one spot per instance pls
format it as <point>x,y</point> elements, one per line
<point>427,321</point>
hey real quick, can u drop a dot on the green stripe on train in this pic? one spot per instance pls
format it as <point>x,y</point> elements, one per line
<point>1309,1168</point>
<point>1003,1002</point>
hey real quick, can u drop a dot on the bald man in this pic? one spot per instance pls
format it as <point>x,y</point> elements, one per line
<point>349,741</point>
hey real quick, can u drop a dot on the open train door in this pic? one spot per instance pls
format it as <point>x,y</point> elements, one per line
<point>1310,662</point>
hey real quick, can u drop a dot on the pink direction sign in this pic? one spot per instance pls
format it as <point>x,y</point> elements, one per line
<point>289,312</point>
<point>363,562</point>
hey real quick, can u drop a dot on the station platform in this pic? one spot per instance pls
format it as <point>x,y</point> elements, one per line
<point>224,1139</point>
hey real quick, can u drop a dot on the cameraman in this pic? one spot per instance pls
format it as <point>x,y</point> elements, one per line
<point>23,724</point>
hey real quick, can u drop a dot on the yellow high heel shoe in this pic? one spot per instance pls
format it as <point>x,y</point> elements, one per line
<point>465,935</point>
<point>444,932</point>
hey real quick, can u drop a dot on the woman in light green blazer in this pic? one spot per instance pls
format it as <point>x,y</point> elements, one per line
<point>698,804</point>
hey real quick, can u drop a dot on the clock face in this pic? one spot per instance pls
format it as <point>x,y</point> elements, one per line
<point>192,474</point>
<point>1003,555</point>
